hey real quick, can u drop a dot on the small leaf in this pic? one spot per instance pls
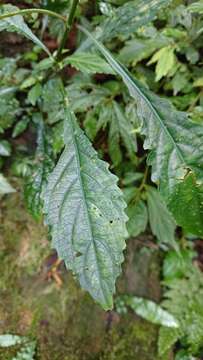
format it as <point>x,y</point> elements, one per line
<point>165,60</point>
<point>20,127</point>
<point>121,130</point>
<point>10,340</point>
<point>190,192</point>
<point>167,338</point>
<point>34,94</point>
<point>138,218</point>
<point>161,221</point>
<point>177,264</point>
<point>52,101</point>
<point>85,210</point>
<point>5,187</point>
<point>27,351</point>
<point>17,24</point>
<point>89,63</point>
<point>5,148</point>
<point>152,312</point>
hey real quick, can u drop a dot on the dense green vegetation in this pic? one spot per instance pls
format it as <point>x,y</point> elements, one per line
<point>101,129</point>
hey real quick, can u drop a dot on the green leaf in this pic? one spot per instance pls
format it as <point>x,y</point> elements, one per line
<point>167,338</point>
<point>10,340</point>
<point>5,148</point>
<point>17,24</point>
<point>184,355</point>
<point>138,49</point>
<point>176,143</point>
<point>196,7</point>
<point>151,312</point>
<point>52,105</point>
<point>34,94</point>
<point>121,130</point>
<point>5,187</point>
<point>189,195</point>
<point>9,108</point>
<point>20,127</point>
<point>129,17</point>
<point>27,350</point>
<point>88,63</point>
<point>85,210</point>
<point>126,130</point>
<point>165,60</point>
<point>138,218</point>
<point>42,166</point>
<point>161,221</point>
<point>183,299</point>
<point>177,264</point>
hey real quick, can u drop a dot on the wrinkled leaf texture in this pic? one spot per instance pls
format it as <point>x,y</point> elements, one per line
<point>85,210</point>
<point>176,145</point>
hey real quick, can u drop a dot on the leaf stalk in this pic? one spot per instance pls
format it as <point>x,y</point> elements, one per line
<point>32,11</point>
<point>69,24</point>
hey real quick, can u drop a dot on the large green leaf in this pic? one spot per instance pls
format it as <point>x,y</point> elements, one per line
<point>177,148</point>
<point>85,210</point>
<point>17,24</point>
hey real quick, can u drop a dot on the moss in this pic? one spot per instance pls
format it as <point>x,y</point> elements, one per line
<point>133,339</point>
<point>64,320</point>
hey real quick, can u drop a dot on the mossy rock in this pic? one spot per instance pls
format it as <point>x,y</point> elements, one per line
<point>64,320</point>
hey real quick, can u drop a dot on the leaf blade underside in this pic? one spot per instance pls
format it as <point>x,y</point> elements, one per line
<point>85,210</point>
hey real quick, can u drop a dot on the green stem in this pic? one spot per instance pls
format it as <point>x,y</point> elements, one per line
<point>141,187</point>
<point>32,11</point>
<point>69,24</point>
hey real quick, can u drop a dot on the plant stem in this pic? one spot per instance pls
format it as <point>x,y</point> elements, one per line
<point>141,187</point>
<point>69,24</point>
<point>32,11</point>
